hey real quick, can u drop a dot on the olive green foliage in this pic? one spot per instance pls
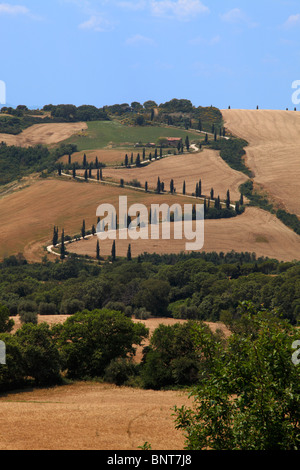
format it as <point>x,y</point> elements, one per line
<point>89,341</point>
<point>6,324</point>
<point>250,401</point>
<point>179,355</point>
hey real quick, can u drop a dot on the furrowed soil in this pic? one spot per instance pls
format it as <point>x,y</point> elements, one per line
<point>273,151</point>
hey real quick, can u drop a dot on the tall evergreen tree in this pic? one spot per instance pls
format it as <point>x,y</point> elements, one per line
<point>183,189</point>
<point>129,257</point>
<point>84,162</point>
<point>101,176</point>
<point>212,193</point>
<point>199,125</point>
<point>62,246</point>
<point>55,236</point>
<point>228,199</point>
<point>83,229</point>
<point>74,170</point>
<point>113,251</point>
<point>144,153</point>
<point>138,160</point>
<point>187,143</point>
<point>70,160</point>
<point>146,186</point>
<point>160,152</point>
<point>126,160</point>
<point>98,250</point>
<point>86,174</point>
<point>200,188</point>
<point>158,186</point>
<point>96,163</point>
<point>98,175</point>
<point>59,169</point>
<point>172,186</point>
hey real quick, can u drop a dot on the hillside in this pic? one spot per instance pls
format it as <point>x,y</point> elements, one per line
<point>273,151</point>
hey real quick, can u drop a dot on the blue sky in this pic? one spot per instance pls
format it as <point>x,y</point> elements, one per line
<point>220,52</point>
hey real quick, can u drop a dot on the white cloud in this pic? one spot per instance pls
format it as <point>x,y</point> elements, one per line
<point>7,9</point>
<point>138,39</point>
<point>198,41</point>
<point>97,23</point>
<point>234,16</point>
<point>180,9</point>
<point>237,16</point>
<point>292,21</point>
<point>134,6</point>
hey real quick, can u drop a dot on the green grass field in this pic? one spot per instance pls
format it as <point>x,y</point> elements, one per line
<point>101,134</point>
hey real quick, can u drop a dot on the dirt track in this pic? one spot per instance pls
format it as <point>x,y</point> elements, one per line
<point>273,152</point>
<point>43,134</point>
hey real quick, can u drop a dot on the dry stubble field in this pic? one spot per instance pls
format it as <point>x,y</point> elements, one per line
<point>206,165</point>
<point>273,151</point>
<point>43,134</point>
<point>90,416</point>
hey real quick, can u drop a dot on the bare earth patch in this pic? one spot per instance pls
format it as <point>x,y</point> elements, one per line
<point>43,134</point>
<point>273,151</point>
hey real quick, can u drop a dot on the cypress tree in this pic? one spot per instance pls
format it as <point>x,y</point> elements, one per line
<point>144,154</point>
<point>84,161</point>
<point>98,175</point>
<point>126,160</point>
<point>206,138</point>
<point>86,175</point>
<point>187,143</point>
<point>242,200</point>
<point>183,189</point>
<point>70,160</point>
<point>172,186</point>
<point>146,186</point>
<point>155,154</point>
<point>74,171</point>
<point>59,170</point>
<point>131,159</point>
<point>98,250</point>
<point>138,160</point>
<point>93,230</point>
<point>129,257</point>
<point>55,236</point>
<point>62,246</point>
<point>200,188</point>
<point>101,176</point>
<point>199,125</point>
<point>158,186</point>
<point>228,200</point>
<point>83,229</point>
<point>197,190</point>
<point>160,152</point>
<point>212,193</point>
<point>96,163</point>
<point>90,171</point>
<point>113,251</point>
<point>121,182</point>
